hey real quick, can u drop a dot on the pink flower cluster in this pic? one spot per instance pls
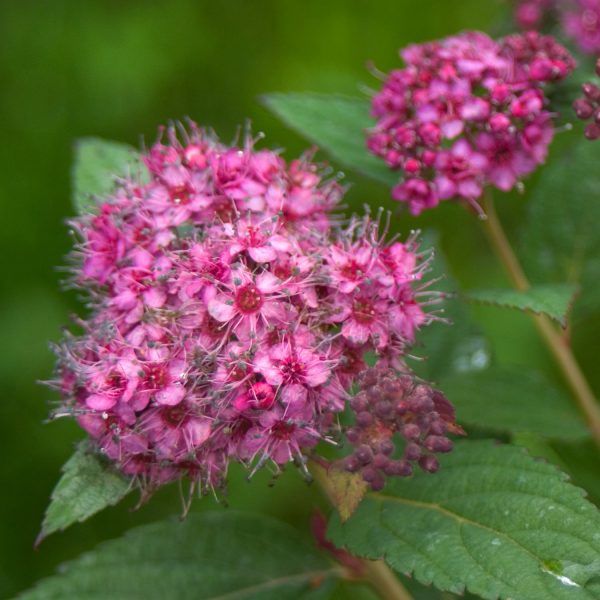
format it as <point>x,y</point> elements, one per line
<point>230,312</point>
<point>531,14</point>
<point>580,19</point>
<point>466,112</point>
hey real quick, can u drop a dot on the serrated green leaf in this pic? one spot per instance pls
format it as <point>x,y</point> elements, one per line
<point>493,520</point>
<point>560,241</point>
<point>456,346</point>
<point>513,400</point>
<point>348,490</point>
<point>97,164</point>
<point>552,300</point>
<point>207,556</point>
<point>336,124</point>
<point>88,484</point>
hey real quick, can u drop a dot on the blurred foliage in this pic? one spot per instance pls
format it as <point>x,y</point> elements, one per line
<point>116,70</point>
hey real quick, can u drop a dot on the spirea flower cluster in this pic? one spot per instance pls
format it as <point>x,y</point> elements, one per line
<point>579,19</point>
<point>466,112</point>
<point>389,404</point>
<point>230,312</point>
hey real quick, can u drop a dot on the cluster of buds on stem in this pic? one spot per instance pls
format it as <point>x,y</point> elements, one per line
<point>587,108</point>
<point>393,407</point>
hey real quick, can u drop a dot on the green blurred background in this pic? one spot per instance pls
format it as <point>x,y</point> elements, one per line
<point>117,69</point>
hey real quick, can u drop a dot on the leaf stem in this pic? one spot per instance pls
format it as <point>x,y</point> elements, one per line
<point>377,573</point>
<point>555,342</point>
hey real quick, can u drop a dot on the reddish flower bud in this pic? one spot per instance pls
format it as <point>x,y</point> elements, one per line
<point>592,132</point>
<point>583,109</point>
<point>591,91</point>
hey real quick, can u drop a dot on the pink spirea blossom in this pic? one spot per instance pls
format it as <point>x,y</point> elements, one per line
<point>465,112</point>
<point>229,312</point>
<point>531,14</point>
<point>581,23</point>
<point>578,19</point>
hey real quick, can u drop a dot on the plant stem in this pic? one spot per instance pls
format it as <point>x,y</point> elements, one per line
<point>377,573</point>
<point>557,345</point>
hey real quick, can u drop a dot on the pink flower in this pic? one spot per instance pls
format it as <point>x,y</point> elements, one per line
<point>250,302</point>
<point>349,267</point>
<point>293,371</point>
<point>461,172</point>
<point>280,435</point>
<point>582,24</point>
<point>419,194</point>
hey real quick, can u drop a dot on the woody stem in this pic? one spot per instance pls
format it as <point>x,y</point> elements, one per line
<point>557,345</point>
<point>377,573</point>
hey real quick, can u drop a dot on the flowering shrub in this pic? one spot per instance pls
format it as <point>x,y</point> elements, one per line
<point>236,320</point>
<point>466,112</point>
<point>230,313</point>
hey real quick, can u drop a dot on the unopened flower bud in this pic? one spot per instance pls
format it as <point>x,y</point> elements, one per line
<point>583,109</point>
<point>364,419</point>
<point>399,468</point>
<point>380,461</point>
<point>429,463</point>
<point>351,464</point>
<point>411,432</point>
<point>437,443</point>
<point>592,131</point>
<point>591,91</point>
<point>364,455</point>
<point>359,403</point>
<point>412,452</point>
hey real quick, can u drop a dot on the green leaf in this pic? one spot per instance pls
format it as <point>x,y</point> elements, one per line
<point>335,123</point>
<point>492,520</point>
<point>560,241</point>
<point>552,300</point>
<point>513,400</point>
<point>98,163</point>
<point>88,485</point>
<point>210,555</point>
<point>581,459</point>
<point>348,490</point>
<point>456,346</point>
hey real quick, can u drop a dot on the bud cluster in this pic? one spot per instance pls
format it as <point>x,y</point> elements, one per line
<point>465,112</point>
<point>229,311</point>
<point>587,108</point>
<point>391,403</point>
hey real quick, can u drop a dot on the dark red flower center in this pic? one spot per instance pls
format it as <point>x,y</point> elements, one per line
<point>249,299</point>
<point>180,195</point>
<point>155,377</point>
<point>174,416</point>
<point>363,311</point>
<point>283,430</point>
<point>352,270</point>
<point>292,369</point>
